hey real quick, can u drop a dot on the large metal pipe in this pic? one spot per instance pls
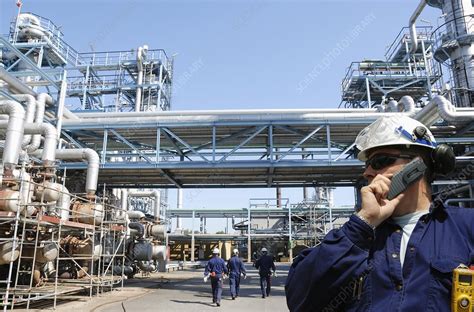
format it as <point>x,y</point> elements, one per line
<point>138,227</point>
<point>39,118</point>
<point>135,214</point>
<point>179,205</point>
<point>14,133</point>
<point>156,194</point>
<point>440,107</point>
<point>407,103</point>
<point>16,86</point>
<point>50,139</point>
<point>92,159</point>
<point>63,204</point>
<point>412,26</point>
<point>221,116</point>
<point>226,112</point>
<point>30,112</point>
<point>141,53</point>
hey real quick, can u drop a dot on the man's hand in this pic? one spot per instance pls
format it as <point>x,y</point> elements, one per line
<point>205,278</point>
<point>275,274</point>
<point>376,208</point>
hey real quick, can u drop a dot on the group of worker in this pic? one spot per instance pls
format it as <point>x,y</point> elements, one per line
<point>217,270</point>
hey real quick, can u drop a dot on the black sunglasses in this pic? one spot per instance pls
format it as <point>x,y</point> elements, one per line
<point>381,161</point>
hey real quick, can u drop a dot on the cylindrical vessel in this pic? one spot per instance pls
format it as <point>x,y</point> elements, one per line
<point>7,254</point>
<point>10,200</point>
<point>89,213</point>
<point>142,251</point>
<point>159,252</point>
<point>45,253</point>
<point>48,192</point>
<point>157,231</point>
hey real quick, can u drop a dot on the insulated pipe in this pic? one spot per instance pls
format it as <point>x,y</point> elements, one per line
<point>138,227</point>
<point>180,117</point>
<point>14,133</point>
<point>19,87</point>
<point>146,267</point>
<point>135,214</point>
<point>448,111</point>
<point>63,203</point>
<point>50,139</point>
<point>92,159</point>
<point>30,112</point>
<point>393,106</point>
<point>87,154</point>
<point>228,112</point>
<point>138,96</point>
<point>408,104</point>
<point>412,26</point>
<point>156,194</point>
<point>39,118</point>
<point>179,205</point>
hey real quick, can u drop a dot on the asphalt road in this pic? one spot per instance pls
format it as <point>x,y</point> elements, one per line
<point>190,293</point>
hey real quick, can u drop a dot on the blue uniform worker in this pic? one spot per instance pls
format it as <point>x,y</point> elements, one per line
<point>215,269</point>
<point>266,267</point>
<point>236,268</point>
<point>392,255</point>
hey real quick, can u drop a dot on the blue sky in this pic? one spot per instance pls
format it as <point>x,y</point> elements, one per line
<point>241,54</point>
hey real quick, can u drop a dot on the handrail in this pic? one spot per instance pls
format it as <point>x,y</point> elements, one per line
<point>405,32</point>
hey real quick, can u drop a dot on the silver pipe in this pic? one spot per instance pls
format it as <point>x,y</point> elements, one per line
<point>156,194</point>
<point>17,86</point>
<point>408,103</point>
<point>30,112</point>
<point>63,203</point>
<point>448,111</point>
<point>227,112</point>
<point>50,139</point>
<point>412,26</point>
<point>179,117</point>
<point>135,214</point>
<point>39,118</point>
<point>14,133</point>
<point>86,154</point>
<point>393,106</point>
<point>92,159</point>
<point>141,52</point>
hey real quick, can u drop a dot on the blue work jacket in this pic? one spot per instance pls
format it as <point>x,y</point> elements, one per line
<point>265,265</point>
<point>235,266</point>
<point>358,269</point>
<point>216,265</point>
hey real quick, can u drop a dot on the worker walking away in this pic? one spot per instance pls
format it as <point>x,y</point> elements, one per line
<point>265,267</point>
<point>215,270</point>
<point>236,269</point>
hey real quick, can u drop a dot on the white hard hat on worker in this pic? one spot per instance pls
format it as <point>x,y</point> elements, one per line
<point>391,131</point>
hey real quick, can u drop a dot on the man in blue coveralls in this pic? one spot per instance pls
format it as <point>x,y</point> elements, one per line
<point>266,267</point>
<point>392,255</point>
<point>215,269</point>
<point>236,268</point>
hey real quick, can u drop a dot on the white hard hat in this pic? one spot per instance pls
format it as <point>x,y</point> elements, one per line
<point>215,251</point>
<point>394,130</point>
<point>236,251</point>
<point>264,249</point>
